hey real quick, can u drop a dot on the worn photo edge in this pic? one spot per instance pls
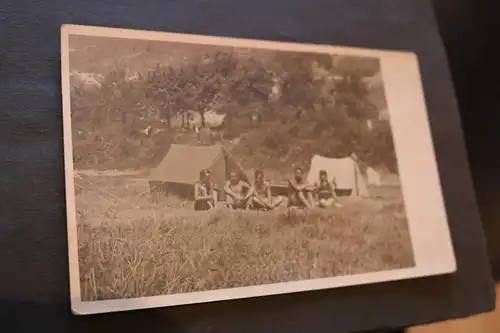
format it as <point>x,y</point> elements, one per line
<point>81,308</point>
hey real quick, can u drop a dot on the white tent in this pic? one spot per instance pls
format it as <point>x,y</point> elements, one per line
<point>373,177</point>
<point>345,171</point>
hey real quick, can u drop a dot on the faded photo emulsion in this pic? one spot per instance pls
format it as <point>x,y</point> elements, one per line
<point>205,168</point>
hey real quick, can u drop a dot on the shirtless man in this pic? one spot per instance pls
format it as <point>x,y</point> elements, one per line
<point>205,193</point>
<point>325,191</point>
<point>238,192</point>
<point>301,192</point>
<point>262,198</point>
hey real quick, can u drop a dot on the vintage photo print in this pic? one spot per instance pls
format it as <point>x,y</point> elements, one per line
<point>202,169</point>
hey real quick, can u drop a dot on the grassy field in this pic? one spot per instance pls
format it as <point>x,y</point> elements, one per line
<point>131,246</point>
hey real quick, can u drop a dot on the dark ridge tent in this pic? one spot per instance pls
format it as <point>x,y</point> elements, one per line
<point>180,169</point>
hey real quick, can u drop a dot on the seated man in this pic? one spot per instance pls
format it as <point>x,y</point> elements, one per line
<point>325,191</point>
<point>238,192</point>
<point>262,198</point>
<point>301,192</point>
<point>205,193</point>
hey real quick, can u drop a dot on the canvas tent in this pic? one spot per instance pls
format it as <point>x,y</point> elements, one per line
<point>180,169</point>
<point>373,177</point>
<point>345,170</point>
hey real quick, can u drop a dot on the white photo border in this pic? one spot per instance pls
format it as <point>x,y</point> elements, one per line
<point>419,176</point>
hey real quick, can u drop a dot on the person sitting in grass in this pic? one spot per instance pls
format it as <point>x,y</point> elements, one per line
<point>238,192</point>
<point>326,191</point>
<point>301,192</point>
<point>262,197</point>
<point>205,193</point>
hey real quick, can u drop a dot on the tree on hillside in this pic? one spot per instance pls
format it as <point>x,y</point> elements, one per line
<point>379,146</point>
<point>245,94</point>
<point>334,94</point>
<point>102,121</point>
<point>299,85</point>
<point>282,106</point>
<point>225,82</point>
<point>352,94</point>
<point>204,79</point>
<point>164,88</point>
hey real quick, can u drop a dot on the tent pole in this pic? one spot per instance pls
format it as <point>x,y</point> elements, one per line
<point>356,168</point>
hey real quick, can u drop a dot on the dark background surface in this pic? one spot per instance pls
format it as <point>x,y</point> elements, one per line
<point>33,274</point>
<point>469,29</point>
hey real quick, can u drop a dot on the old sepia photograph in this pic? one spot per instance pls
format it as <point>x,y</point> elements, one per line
<point>203,168</point>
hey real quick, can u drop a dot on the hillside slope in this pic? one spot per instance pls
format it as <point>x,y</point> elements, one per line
<point>274,109</point>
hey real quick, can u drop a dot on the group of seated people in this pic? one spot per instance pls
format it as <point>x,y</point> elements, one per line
<point>240,194</point>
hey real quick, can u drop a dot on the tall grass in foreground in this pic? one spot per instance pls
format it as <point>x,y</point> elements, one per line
<point>130,247</point>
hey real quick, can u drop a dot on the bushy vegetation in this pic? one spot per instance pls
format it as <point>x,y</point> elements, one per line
<point>278,106</point>
<point>278,109</point>
<point>130,246</point>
